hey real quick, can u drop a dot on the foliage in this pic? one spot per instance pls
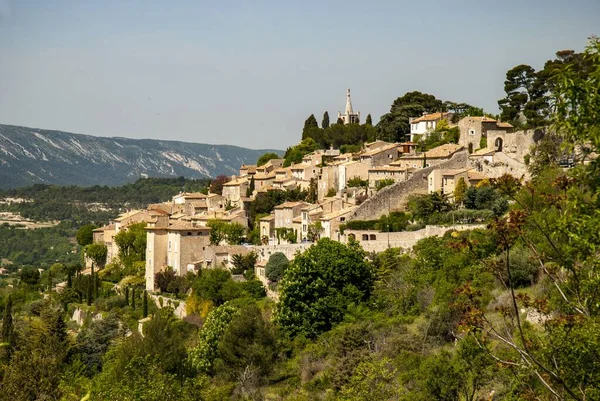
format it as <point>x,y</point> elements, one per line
<point>296,153</point>
<point>132,242</point>
<point>216,186</point>
<point>386,182</point>
<point>164,278</point>
<point>459,190</point>
<point>97,252</point>
<point>276,266</point>
<point>485,198</point>
<point>206,351</point>
<point>265,158</point>
<point>247,345</point>
<point>423,206</point>
<point>325,122</point>
<point>355,182</point>
<point>243,263</point>
<point>330,193</point>
<point>232,233</point>
<point>319,285</point>
<point>85,235</point>
<point>30,275</point>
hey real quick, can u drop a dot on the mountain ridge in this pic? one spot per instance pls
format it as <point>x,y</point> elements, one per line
<point>34,155</point>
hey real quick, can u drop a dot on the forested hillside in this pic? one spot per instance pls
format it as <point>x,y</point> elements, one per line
<point>30,155</point>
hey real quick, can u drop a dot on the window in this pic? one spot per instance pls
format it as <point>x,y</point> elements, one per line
<point>471,132</point>
<point>342,219</point>
<point>169,245</point>
<point>365,237</point>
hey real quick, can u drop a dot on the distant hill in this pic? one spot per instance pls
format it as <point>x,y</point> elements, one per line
<point>31,155</point>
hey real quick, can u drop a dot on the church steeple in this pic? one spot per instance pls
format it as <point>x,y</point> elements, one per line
<point>349,116</point>
<point>348,104</point>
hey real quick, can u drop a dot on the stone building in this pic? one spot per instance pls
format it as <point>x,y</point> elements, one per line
<point>382,155</point>
<point>445,181</point>
<point>173,243</point>
<point>474,131</point>
<point>426,123</point>
<point>395,173</point>
<point>349,116</point>
<point>430,158</point>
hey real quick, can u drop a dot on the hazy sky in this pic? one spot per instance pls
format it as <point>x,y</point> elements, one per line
<point>248,73</point>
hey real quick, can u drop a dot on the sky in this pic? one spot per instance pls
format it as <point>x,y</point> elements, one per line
<point>249,73</point>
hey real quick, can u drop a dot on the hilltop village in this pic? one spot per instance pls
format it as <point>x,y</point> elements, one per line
<point>189,232</point>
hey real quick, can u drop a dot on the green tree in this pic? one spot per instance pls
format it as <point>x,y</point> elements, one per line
<point>248,342</point>
<point>266,157</point>
<point>251,187</point>
<point>132,242</point>
<point>7,326</point>
<point>394,126</point>
<point>243,263</point>
<point>30,275</point>
<point>319,285</point>
<point>85,235</point>
<point>459,190</point>
<point>325,122</point>
<point>133,298</point>
<point>204,354</point>
<point>276,266</point>
<point>97,252</point>
<point>145,305</point>
<point>211,285</point>
<point>374,379</point>
<point>369,120</point>
<point>386,182</point>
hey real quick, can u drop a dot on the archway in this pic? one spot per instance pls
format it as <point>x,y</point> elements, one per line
<point>498,144</point>
<point>470,147</point>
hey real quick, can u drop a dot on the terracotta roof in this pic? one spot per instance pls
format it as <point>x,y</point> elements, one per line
<point>381,149</point>
<point>107,227</point>
<point>430,117</point>
<point>230,249</point>
<point>452,171</point>
<point>267,176</point>
<point>503,125</point>
<point>297,219</point>
<point>270,217</point>
<point>476,176</point>
<point>185,226</point>
<point>129,214</point>
<point>301,166</point>
<point>387,168</point>
<point>444,150</point>
<point>286,205</point>
<point>338,213</point>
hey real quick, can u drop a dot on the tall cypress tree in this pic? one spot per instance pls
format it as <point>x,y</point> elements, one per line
<point>126,295</point>
<point>325,122</point>
<point>7,324</point>
<point>369,120</point>
<point>145,304</point>
<point>89,290</point>
<point>133,298</point>
<point>69,281</point>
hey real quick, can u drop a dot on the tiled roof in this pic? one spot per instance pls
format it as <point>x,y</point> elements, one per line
<point>444,150</point>
<point>476,176</point>
<point>481,152</point>
<point>381,149</point>
<point>105,228</point>
<point>430,117</point>
<point>236,182</point>
<point>388,168</point>
<point>291,205</point>
<point>338,213</point>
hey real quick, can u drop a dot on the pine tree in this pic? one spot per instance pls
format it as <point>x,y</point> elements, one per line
<point>97,283</point>
<point>126,295</point>
<point>145,305</point>
<point>7,324</point>
<point>49,280</point>
<point>325,122</point>
<point>133,298</point>
<point>69,281</point>
<point>369,120</point>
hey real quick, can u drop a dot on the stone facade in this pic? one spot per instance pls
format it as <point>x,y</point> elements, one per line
<point>375,241</point>
<point>395,196</point>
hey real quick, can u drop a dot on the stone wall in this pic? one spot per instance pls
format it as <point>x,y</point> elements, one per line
<point>402,239</point>
<point>395,196</point>
<point>289,250</point>
<point>515,145</point>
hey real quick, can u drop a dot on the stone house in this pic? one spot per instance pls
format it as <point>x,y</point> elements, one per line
<point>445,181</point>
<point>229,216</point>
<point>473,131</point>
<point>177,244</point>
<point>327,179</point>
<point>426,123</point>
<point>221,256</point>
<point>430,158</point>
<point>330,223</point>
<point>395,173</point>
<point>106,235</point>
<point>235,189</point>
<point>352,169</point>
<point>263,180</point>
<point>382,155</point>
<point>304,171</point>
<point>247,170</point>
